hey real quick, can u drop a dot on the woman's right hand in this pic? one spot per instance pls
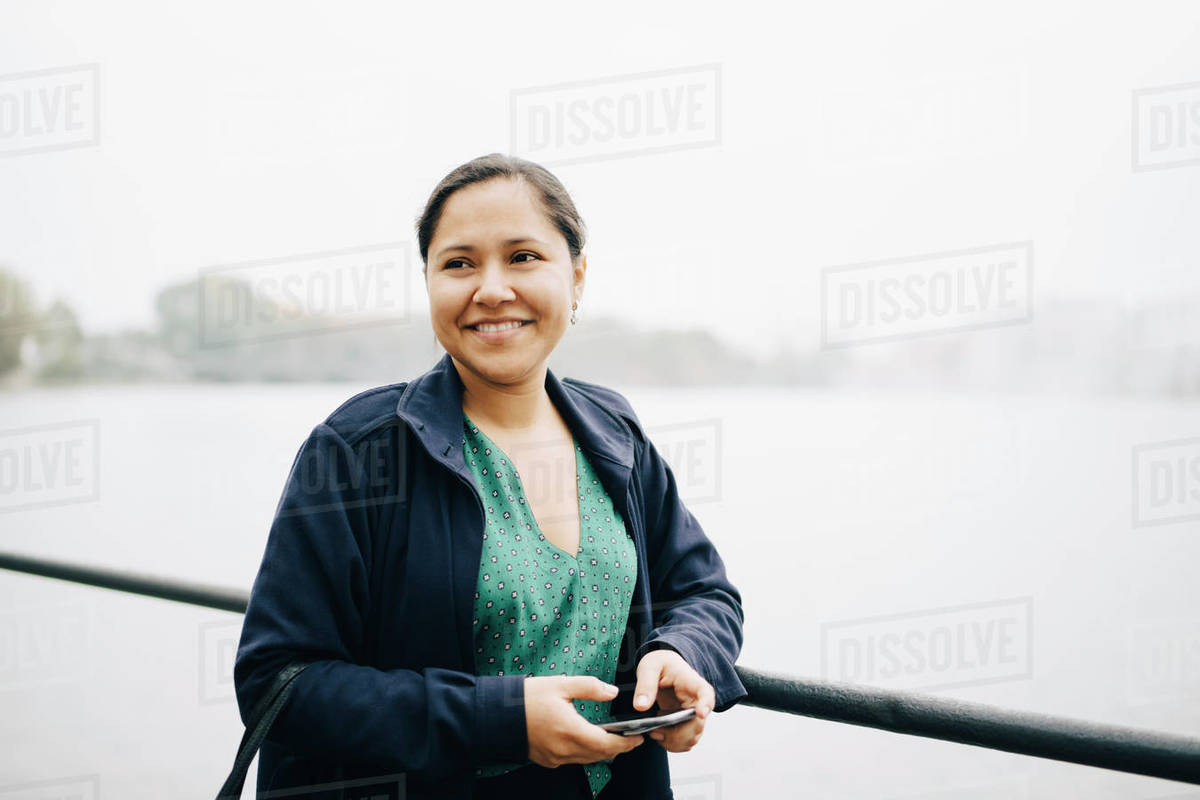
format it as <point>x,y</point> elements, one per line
<point>558,733</point>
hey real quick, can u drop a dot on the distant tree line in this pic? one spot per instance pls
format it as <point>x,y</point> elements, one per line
<point>47,346</point>
<point>1095,347</point>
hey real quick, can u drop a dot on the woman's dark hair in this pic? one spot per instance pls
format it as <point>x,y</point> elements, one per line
<point>555,200</point>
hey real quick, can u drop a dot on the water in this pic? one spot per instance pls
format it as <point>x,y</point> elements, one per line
<point>996,534</point>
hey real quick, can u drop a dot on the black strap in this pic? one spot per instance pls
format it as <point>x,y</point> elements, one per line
<point>261,718</point>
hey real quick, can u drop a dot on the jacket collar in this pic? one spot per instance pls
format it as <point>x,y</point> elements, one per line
<point>432,407</point>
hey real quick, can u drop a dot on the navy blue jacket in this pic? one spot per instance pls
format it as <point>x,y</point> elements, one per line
<point>370,570</point>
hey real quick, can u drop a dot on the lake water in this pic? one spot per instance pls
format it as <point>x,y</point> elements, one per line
<point>1035,552</point>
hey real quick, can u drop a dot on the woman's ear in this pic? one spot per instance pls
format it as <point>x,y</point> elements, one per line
<point>580,275</point>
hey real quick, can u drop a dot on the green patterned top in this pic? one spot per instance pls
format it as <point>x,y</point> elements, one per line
<point>538,609</point>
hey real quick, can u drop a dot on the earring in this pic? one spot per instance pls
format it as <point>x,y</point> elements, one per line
<point>573,307</point>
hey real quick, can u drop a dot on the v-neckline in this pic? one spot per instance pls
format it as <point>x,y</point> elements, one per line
<point>528,503</point>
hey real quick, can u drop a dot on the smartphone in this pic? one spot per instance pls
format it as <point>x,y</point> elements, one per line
<point>632,727</point>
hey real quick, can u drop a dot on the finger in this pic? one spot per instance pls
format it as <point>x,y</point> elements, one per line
<point>649,673</point>
<point>689,687</point>
<point>706,702</point>
<point>622,744</point>
<point>599,740</point>
<point>680,731</point>
<point>681,737</point>
<point>588,687</point>
<point>695,692</point>
<point>684,730</point>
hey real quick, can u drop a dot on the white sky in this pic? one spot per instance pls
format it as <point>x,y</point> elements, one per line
<point>238,131</point>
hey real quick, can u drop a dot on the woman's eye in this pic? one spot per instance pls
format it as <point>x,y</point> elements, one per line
<point>450,264</point>
<point>532,255</point>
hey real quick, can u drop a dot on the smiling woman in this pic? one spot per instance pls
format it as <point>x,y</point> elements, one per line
<point>502,245</point>
<point>517,554</point>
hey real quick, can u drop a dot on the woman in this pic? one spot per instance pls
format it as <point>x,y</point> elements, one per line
<point>477,561</point>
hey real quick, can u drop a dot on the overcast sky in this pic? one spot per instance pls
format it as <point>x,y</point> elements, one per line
<point>843,133</point>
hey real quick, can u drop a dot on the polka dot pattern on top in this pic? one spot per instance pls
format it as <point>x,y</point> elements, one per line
<point>538,610</point>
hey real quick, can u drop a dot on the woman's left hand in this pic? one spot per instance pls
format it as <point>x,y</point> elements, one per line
<point>665,676</point>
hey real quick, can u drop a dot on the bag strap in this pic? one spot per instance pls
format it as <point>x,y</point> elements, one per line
<point>261,718</point>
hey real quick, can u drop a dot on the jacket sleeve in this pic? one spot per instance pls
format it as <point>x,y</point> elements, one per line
<point>696,610</point>
<point>311,602</point>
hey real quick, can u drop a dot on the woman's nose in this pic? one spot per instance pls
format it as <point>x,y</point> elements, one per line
<point>493,285</point>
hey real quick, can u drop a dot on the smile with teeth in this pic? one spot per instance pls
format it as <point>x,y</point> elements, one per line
<point>504,326</point>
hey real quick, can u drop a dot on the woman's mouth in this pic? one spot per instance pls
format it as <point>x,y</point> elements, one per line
<point>499,333</point>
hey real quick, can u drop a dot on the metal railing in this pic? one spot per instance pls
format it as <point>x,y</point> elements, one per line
<point>1124,749</point>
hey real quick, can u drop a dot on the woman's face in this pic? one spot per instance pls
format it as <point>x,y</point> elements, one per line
<point>496,256</point>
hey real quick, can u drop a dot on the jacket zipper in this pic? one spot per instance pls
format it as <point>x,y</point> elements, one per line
<point>474,492</point>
